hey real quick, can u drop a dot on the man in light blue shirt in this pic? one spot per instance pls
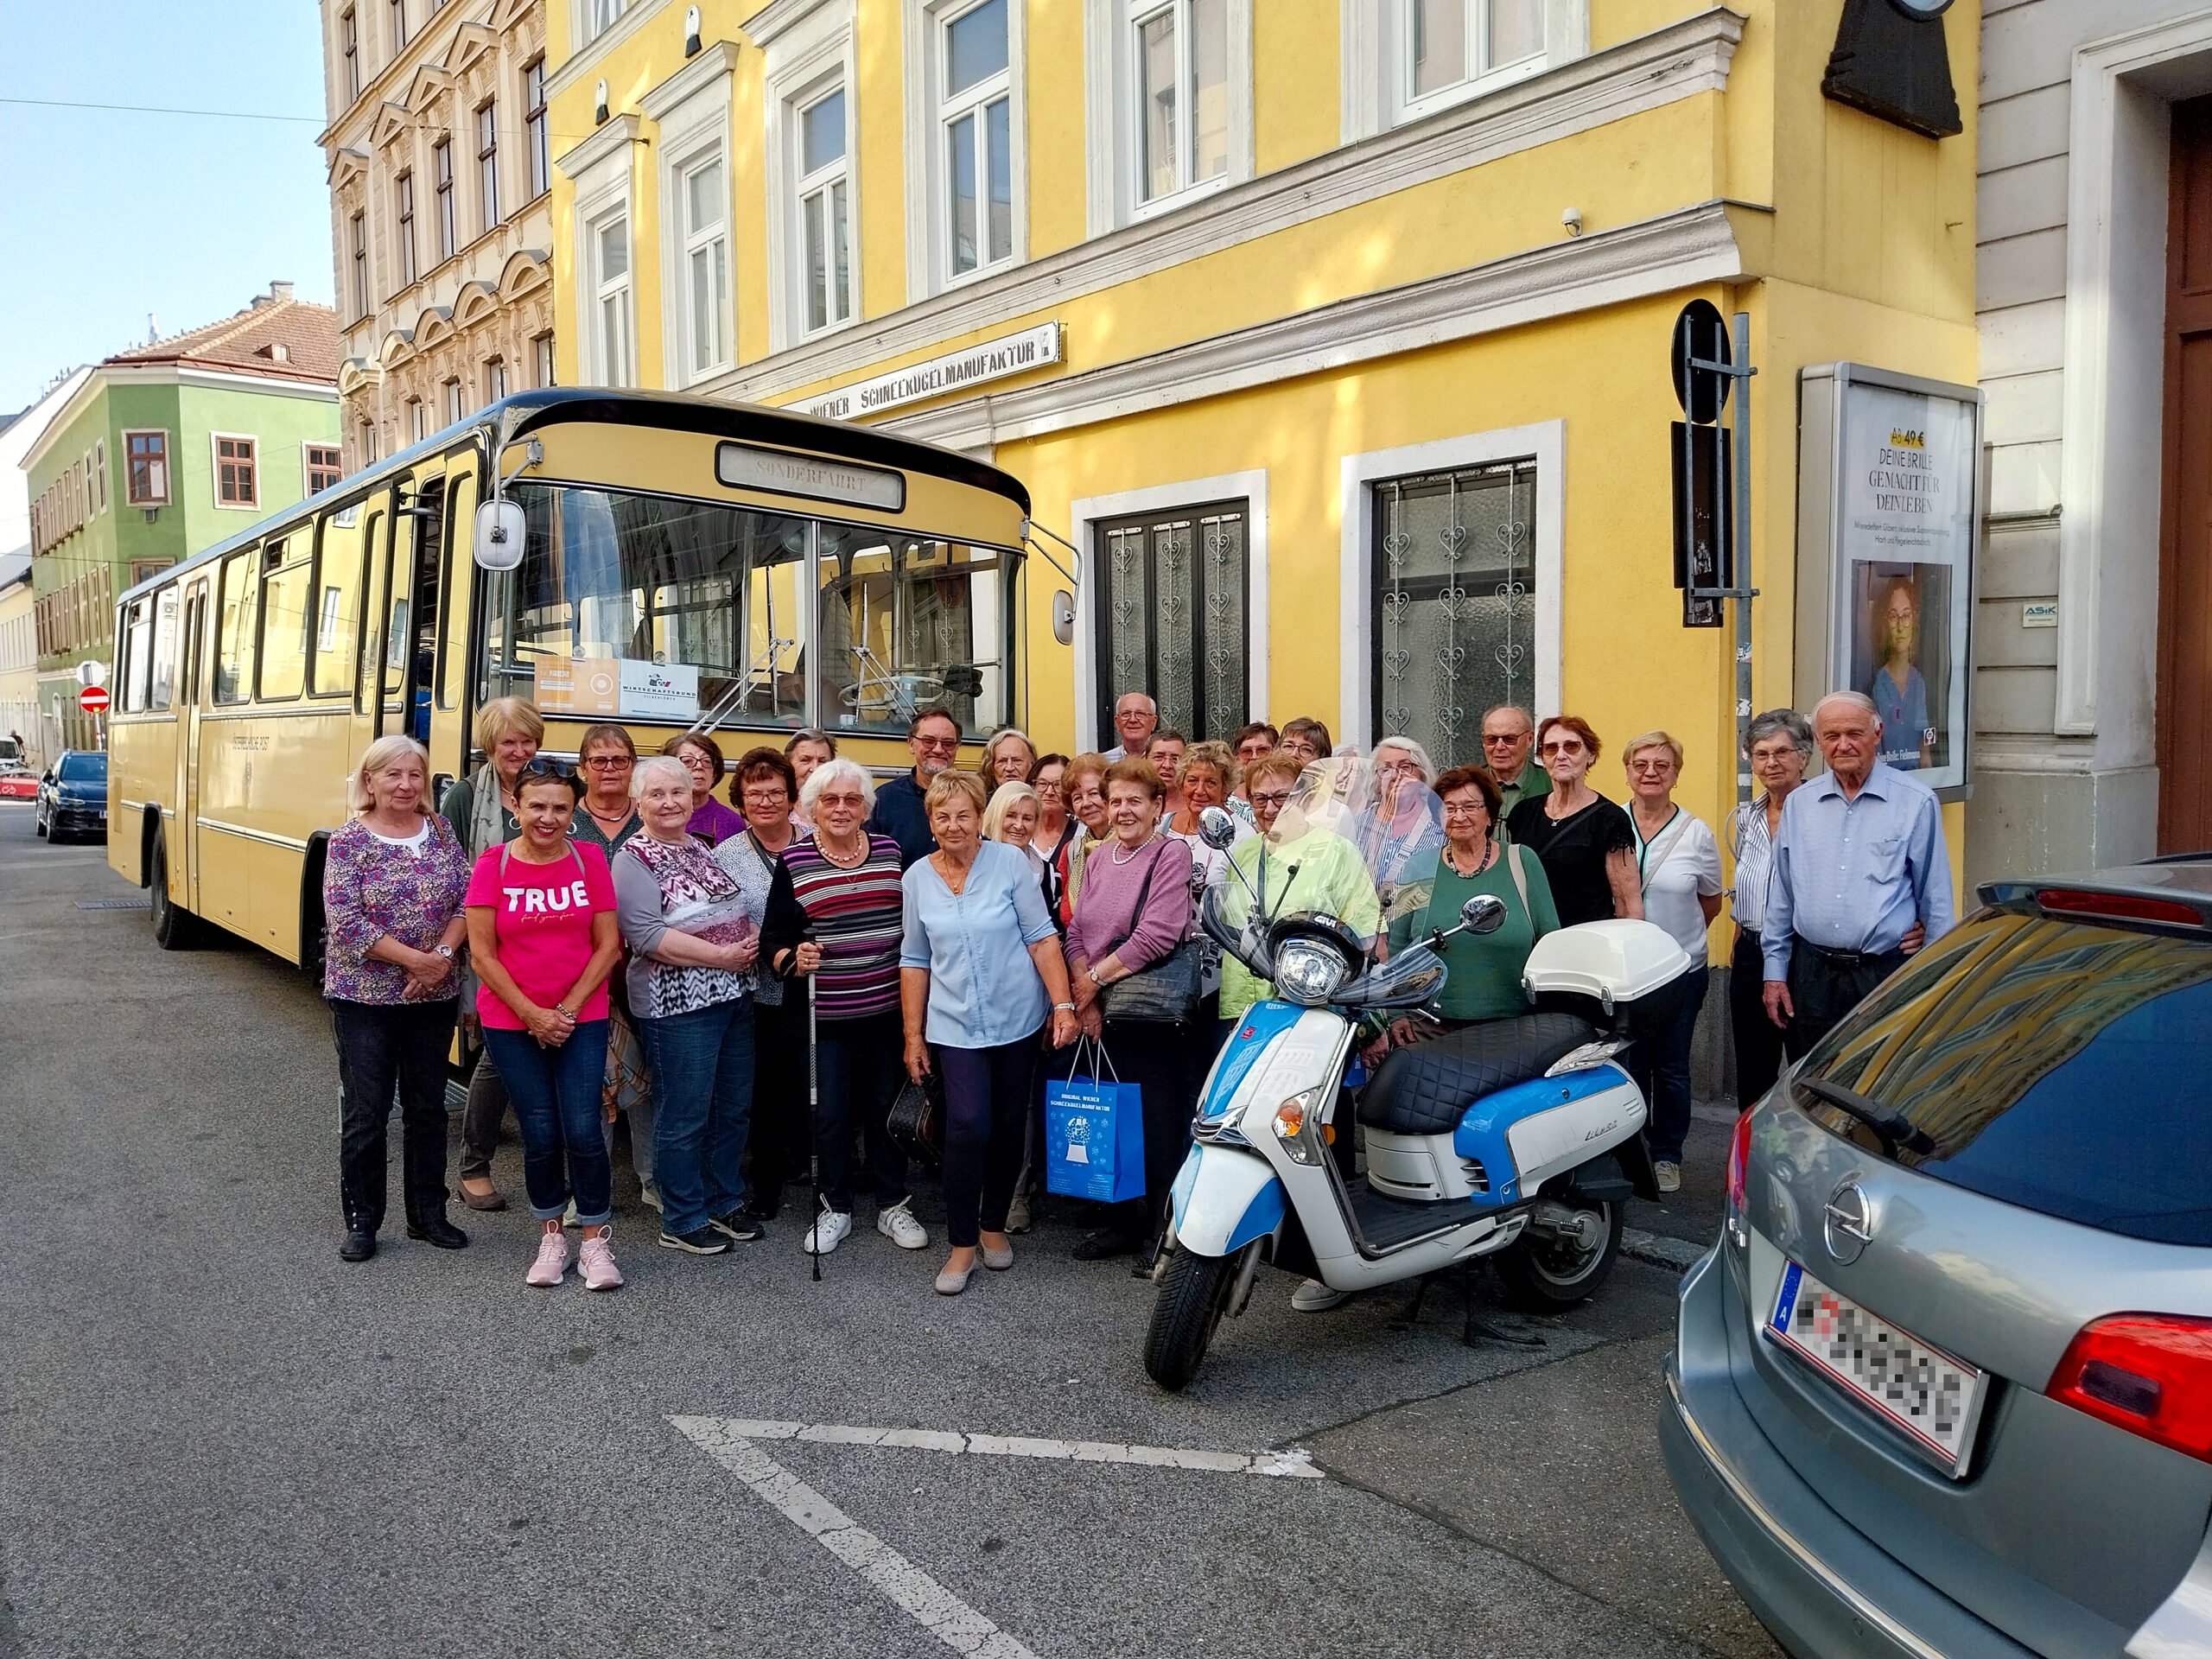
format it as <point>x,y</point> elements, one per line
<point>1861,877</point>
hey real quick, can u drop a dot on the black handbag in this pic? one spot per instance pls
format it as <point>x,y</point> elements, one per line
<point>916,1119</point>
<point>1166,992</point>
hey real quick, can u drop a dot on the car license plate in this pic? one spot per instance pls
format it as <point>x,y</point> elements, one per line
<point>1934,1399</point>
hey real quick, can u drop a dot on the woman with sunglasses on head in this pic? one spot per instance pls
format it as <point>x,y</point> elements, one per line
<point>542,934</point>
<point>712,821</point>
<point>606,818</point>
<point>1586,842</point>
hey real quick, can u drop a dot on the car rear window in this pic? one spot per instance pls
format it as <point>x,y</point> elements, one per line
<point>2056,1065</point>
<point>84,769</point>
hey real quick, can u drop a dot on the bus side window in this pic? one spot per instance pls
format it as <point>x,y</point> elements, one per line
<point>164,665</point>
<point>285,571</point>
<point>453,592</point>
<point>138,654</point>
<point>338,601</point>
<point>376,567</point>
<point>234,634</point>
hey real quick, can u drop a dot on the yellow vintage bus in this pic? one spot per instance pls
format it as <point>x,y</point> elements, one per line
<point>685,565</point>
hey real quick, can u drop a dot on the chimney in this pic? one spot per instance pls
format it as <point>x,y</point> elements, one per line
<point>280,292</point>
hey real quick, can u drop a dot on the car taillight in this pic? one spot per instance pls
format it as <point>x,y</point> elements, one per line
<point>2120,906</point>
<point>1739,1158</point>
<point>2148,1373</point>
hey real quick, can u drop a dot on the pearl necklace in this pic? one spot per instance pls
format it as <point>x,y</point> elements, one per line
<point>1113,854</point>
<point>822,846</point>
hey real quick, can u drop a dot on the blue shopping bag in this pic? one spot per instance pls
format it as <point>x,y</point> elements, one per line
<point>1094,1133</point>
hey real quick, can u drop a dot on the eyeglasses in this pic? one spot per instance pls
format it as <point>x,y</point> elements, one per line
<point>1508,738</point>
<point>825,802</point>
<point>934,743</point>
<point>1466,810</point>
<point>1273,797</point>
<point>610,762</point>
<point>1569,745</point>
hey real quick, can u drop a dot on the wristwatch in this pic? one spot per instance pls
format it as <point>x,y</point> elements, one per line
<point>1069,1006</point>
<point>445,951</point>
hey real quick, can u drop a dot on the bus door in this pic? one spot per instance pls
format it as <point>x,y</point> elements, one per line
<point>191,690</point>
<point>449,737</point>
<point>411,636</point>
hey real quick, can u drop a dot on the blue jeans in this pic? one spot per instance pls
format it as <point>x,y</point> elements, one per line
<point>555,1093</point>
<point>1663,1028</point>
<point>701,1068</point>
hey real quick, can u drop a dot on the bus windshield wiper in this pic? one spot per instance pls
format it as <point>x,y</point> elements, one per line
<point>1896,1129</point>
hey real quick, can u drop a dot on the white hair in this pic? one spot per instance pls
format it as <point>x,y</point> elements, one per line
<point>1857,700</point>
<point>1151,703</point>
<point>1003,798</point>
<point>658,765</point>
<point>1420,754</point>
<point>359,799</point>
<point>836,769</point>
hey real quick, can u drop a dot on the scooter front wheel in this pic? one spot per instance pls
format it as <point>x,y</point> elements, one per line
<point>1192,1293</point>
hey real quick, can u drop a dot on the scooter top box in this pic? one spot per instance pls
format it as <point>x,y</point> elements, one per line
<point>1615,962</point>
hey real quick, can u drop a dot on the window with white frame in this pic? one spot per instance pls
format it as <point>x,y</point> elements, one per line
<point>495,380</point>
<point>404,189</point>
<point>1181,56</point>
<point>398,9</point>
<point>100,474</point>
<point>824,192</point>
<point>326,468</point>
<point>453,409</point>
<point>349,54</point>
<point>533,122</point>
<point>357,243</point>
<point>418,422</point>
<point>1454,46</point>
<point>610,257</point>
<point>602,14</point>
<point>977,118</point>
<point>541,351</point>
<point>442,171</point>
<point>704,197</point>
<point>488,163</point>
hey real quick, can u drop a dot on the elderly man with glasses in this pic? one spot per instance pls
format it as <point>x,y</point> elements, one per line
<point>1509,735</point>
<point>1135,717</point>
<point>933,737</point>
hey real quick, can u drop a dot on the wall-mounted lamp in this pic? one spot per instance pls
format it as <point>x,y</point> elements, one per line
<point>692,33</point>
<point>599,104</point>
<point>1572,218</point>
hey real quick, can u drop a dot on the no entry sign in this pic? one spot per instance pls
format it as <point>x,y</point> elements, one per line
<point>92,699</point>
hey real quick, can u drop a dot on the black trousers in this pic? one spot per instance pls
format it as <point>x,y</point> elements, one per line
<point>1757,1039</point>
<point>777,1150</point>
<point>1157,1057</point>
<point>382,1047</point>
<point>1825,985</point>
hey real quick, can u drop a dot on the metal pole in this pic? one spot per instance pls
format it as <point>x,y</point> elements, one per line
<point>1743,582</point>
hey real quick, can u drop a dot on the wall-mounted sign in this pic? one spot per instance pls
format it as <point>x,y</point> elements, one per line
<point>779,471</point>
<point>1891,60</point>
<point>1889,511</point>
<point>938,377</point>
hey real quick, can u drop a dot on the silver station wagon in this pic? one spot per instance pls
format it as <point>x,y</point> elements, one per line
<point>1944,1384</point>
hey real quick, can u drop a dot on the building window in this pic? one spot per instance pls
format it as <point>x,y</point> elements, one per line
<point>611,291</point>
<point>541,159</point>
<point>349,54</point>
<point>1451,43</point>
<point>358,231</point>
<point>237,480</point>
<point>603,14</point>
<point>541,351</point>
<point>326,467</point>
<point>1455,603</point>
<point>1171,615</point>
<point>1182,84</point>
<point>146,455</point>
<point>825,212</point>
<point>442,170</point>
<point>487,162</point>
<point>100,474</point>
<point>495,380</point>
<point>404,187</point>
<point>453,410</point>
<point>418,420</point>
<point>976,116</point>
<point>369,441</point>
<point>706,263</point>
<point>398,27</point>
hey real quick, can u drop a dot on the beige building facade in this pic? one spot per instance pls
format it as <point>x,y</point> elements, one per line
<point>438,149</point>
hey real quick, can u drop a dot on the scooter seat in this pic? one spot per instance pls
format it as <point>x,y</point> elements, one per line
<point>1427,1088</point>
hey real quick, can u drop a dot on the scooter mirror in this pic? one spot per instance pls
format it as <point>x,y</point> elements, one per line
<point>1218,831</point>
<point>1484,913</point>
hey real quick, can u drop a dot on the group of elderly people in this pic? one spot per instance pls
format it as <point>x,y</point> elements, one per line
<point>637,948</point>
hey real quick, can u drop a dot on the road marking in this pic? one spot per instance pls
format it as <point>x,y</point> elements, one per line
<point>933,1606</point>
<point>1294,1464</point>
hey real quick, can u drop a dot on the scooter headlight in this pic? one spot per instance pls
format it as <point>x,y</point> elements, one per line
<point>1309,972</point>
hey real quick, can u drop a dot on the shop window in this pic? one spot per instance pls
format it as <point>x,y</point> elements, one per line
<point>442,171</point>
<point>162,678</point>
<point>706,267</point>
<point>234,630</point>
<point>1455,603</point>
<point>977,117</point>
<point>610,255</point>
<point>533,123</point>
<point>238,482</point>
<point>146,454</point>
<point>824,194</point>
<point>488,163</point>
<point>287,581</point>
<point>1171,615</point>
<point>403,193</point>
<point>325,467</point>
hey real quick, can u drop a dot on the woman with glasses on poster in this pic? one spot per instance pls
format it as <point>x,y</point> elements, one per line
<point>1586,842</point>
<point>1900,694</point>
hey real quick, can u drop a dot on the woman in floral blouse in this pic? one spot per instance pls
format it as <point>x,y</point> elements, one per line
<point>391,892</point>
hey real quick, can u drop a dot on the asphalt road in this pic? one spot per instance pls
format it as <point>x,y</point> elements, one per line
<point>216,1438</point>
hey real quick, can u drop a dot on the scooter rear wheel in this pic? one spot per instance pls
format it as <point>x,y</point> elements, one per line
<point>1545,1275</point>
<point>1192,1293</point>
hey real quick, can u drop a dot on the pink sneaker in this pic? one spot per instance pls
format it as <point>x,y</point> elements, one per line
<point>598,1260</point>
<point>552,1261</point>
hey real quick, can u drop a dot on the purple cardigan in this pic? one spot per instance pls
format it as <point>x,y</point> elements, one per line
<point>1105,922</point>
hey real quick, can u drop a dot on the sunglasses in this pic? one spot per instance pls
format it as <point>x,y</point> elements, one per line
<point>541,767</point>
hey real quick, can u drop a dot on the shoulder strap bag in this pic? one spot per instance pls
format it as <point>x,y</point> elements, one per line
<point>1167,991</point>
<point>1679,827</point>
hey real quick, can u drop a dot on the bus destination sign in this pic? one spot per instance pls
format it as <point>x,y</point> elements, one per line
<point>782,471</point>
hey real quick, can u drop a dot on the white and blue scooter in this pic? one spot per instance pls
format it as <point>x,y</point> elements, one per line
<point>1517,1139</point>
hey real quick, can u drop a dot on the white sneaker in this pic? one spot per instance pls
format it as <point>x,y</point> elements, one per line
<point>597,1260</point>
<point>552,1262</point>
<point>1669,1175</point>
<point>830,1229</point>
<point>898,1224</point>
<point>570,1219</point>
<point>650,1194</point>
<point>1018,1218</point>
<point>1315,1297</point>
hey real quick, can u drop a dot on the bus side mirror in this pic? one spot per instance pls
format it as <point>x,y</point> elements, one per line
<point>500,532</point>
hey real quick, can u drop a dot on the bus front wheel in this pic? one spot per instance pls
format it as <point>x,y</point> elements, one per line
<point>175,927</point>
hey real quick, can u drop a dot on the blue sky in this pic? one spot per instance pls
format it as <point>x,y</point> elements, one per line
<point>109,215</point>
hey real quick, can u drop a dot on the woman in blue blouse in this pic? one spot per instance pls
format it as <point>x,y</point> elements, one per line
<point>979,971</point>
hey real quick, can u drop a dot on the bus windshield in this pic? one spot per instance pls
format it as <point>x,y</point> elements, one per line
<point>654,608</point>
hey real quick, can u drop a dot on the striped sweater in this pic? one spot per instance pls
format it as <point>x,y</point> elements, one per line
<point>855,916</point>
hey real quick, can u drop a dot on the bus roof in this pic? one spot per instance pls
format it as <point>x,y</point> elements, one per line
<point>668,410</point>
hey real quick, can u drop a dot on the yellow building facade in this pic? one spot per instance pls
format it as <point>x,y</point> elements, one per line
<point>1331,335</point>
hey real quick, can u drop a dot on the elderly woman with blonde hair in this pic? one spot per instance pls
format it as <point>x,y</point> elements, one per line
<point>393,878</point>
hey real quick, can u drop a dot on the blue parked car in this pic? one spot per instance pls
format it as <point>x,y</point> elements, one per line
<point>72,796</point>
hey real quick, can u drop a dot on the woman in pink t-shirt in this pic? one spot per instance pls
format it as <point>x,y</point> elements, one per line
<point>542,937</point>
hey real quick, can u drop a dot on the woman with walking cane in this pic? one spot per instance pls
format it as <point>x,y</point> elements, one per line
<point>833,914</point>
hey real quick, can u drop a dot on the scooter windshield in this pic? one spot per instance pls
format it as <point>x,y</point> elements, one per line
<point>1357,842</point>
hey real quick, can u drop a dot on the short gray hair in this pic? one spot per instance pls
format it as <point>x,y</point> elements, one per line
<point>1786,722</point>
<point>836,769</point>
<point>658,765</point>
<point>1411,747</point>
<point>359,799</point>
<point>1857,700</point>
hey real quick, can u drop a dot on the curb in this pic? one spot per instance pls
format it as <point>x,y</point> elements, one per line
<point>1678,1254</point>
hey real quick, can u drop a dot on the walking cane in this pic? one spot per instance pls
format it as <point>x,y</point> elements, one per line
<point>813,1099</point>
